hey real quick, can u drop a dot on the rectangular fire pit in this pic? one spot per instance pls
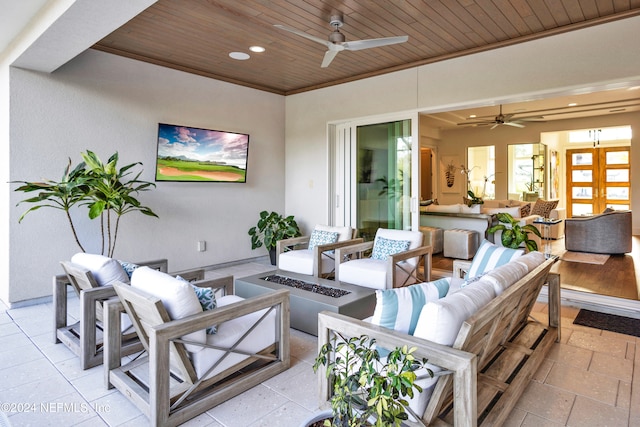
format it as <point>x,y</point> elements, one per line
<point>309,296</point>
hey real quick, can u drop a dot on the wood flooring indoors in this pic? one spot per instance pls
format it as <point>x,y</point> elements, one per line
<point>619,277</point>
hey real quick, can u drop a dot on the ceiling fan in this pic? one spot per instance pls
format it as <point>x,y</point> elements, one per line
<point>503,119</point>
<point>337,42</point>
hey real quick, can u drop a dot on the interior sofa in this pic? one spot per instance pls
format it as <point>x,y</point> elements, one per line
<point>605,233</point>
<point>480,217</point>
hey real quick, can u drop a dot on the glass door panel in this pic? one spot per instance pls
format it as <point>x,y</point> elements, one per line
<point>383,168</point>
<point>598,178</point>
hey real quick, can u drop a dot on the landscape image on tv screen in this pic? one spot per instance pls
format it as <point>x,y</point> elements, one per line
<point>201,155</point>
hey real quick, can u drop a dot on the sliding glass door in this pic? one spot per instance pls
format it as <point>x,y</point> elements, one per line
<point>373,168</point>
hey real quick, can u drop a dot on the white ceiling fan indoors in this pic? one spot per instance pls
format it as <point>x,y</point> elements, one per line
<point>337,42</point>
<point>504,119</point>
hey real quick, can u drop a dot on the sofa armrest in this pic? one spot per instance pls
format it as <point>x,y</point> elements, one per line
<point>558,213</point>
<point>423,252</point>
<point>460,268</point>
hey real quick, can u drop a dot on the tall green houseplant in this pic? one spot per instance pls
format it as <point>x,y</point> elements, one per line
<point>270,228</point>
<point>107,191</point>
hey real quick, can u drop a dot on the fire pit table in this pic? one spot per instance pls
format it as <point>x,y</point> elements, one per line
<point>309,296</point>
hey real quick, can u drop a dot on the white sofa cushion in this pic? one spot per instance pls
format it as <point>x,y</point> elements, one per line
<point>440,320</point>
<point>177,296</point>
<point>475,209</point>
<point>399,308</point>
<point>505,276</point>
<point>531,260</point>
<point>301,261</point>
<point>105,270</point>
<point>229,332</point>
<point>490,256</point>
<point>513,211</point>
<point>444,208</point>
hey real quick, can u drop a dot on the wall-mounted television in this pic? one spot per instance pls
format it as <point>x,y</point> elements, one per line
<point>201,155</point>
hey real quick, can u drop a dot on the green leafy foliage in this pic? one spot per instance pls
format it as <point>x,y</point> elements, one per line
<point>106,191</point>
<point>272,227</point>
<point>514,234</point>
<point>366,387</point>
<point>473,199</point>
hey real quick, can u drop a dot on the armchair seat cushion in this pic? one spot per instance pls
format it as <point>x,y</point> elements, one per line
<point>229,333</point>
<point>302,262</point>
<point>371,273</point>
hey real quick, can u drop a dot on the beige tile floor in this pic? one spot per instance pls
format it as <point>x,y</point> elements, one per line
<point>588,379</point>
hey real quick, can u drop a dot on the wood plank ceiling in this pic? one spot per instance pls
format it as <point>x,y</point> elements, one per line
<point>197,36</point>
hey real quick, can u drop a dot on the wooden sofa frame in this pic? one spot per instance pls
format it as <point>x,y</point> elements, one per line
<point>495,354</point>
<point>163,383</point>
<point>84,337</point>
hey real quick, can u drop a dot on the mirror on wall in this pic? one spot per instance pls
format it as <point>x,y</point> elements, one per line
<point>527,172</point>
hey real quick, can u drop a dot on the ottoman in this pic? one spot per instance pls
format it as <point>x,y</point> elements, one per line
<point>433,237</point>
<point>460,244</point>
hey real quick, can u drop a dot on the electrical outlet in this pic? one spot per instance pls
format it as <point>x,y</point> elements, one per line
<point>202,246</point>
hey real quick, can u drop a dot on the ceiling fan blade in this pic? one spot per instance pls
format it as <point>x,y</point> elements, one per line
<point>514,124</point>
<point>495,126</point>
<point>367,44</point>
<point>328,57</point>
<point>476,123</point>
<point>305,35</point>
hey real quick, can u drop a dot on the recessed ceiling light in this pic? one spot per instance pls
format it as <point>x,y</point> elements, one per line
<point>240,56</point>
<point>472,116</point>
<point>257,49</point>
<point>572,104</point>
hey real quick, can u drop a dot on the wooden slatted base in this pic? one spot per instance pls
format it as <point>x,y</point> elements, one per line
<point>503,379</point>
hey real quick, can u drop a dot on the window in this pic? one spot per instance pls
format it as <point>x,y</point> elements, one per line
<point>481,171</point>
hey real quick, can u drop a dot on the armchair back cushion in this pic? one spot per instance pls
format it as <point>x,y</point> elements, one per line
<point>177,296</point>
<point>415,239</point>
<point>105,270</point>
<point>344,233</point>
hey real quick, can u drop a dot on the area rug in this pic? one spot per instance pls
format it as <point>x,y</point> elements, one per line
<point>584,257</point>
<point>608,322</point>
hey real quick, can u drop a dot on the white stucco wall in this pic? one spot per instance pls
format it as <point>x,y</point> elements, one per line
<point>590,59</point>
<point>104,103</point>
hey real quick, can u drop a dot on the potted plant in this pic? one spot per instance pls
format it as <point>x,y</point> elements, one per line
<point>272,227</point>
<point>514,234</point>
<point>473,199</point>
<point>367,389</point>
<point>106,190</point>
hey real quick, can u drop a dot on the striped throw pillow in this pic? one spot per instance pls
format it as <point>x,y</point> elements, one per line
<point>489,257</point>
<point>399,308</point>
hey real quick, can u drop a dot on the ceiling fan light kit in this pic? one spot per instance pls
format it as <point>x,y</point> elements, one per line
<point>336,41</point>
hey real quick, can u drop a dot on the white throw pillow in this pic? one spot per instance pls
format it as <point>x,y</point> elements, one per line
<point>440,320</point>
<point>399,308</point>
<point>505,276</point>
<point>105,270</point>
<point>177,296</point>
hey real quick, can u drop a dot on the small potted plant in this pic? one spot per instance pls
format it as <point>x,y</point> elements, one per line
<point>368,390</point>
<point>514,234</point>
<point>272,227</point>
